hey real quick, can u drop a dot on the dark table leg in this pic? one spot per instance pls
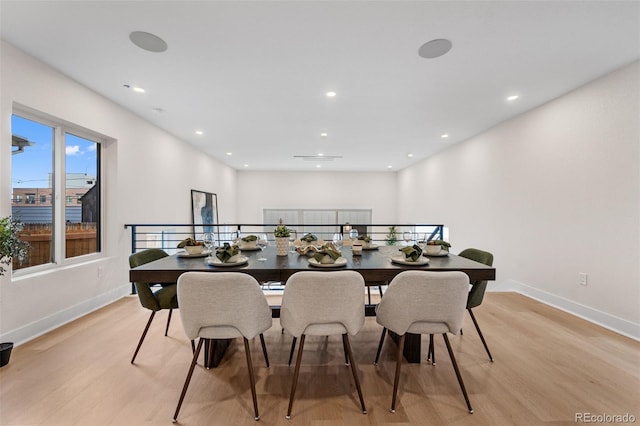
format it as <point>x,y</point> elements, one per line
<point>411,346</point>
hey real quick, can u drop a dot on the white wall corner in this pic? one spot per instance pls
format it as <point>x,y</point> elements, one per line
<point>611,322</point>
<point>44,325</point>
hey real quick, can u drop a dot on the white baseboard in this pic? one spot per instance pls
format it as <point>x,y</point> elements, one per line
<point>44,325</point>
<point>611,322</point>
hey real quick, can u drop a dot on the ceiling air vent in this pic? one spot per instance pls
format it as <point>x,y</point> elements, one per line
<point>318,157</point>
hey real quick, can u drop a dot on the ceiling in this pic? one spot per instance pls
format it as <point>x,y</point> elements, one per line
<point>252,76</point>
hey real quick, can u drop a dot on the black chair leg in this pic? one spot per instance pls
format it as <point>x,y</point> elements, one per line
<point>347,346</point>
<point>295,377</point>
<point>264,349</point>
<point>455,367</point>
<point>193,347</point>
<point>166,331</point>
<point>384,331</point>
<point>397,376</point>
<point>369,294</point>
<point>186,383</point>
<point>252,378</point>
<point>431,353</point>
<point>475,322</point>
<point>293,348</point>
<point>144,334</point>
<point>344,348</point>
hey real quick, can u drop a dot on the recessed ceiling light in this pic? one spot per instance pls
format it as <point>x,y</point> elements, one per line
<point>246,165</point>
<point>148,41</point>
<point>389,166</point>
<point>138,89</point>
<point>409,155</point>
<point>435,48</point>
<point>444,136</point>
<point>199,132</point>
<point>229,153</point>
<point>324,135</point>
<point>320,154</point>
<point>513,98</point>
<point>331,94</point>
<point>318,166</point>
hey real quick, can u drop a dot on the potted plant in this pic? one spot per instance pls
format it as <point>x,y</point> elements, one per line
<point>11,247</point>
<point>282,234</point>
<point>392,236</point>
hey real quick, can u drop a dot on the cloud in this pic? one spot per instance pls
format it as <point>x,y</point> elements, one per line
<point>72,150</point>
<point>92,147</point>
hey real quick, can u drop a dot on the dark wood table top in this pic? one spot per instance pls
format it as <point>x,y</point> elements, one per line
<point>374,265</point>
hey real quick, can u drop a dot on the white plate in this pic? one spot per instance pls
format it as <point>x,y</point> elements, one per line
<point>214,261</point>
<point>370,247</point>
<point>341,261</point>
<point>441,254</point>
<point>184,253</point>
<point>403,261</point>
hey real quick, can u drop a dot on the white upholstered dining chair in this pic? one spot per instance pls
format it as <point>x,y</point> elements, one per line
<point>222,305</point>
<point>317,303</point>
<point>424,302</point>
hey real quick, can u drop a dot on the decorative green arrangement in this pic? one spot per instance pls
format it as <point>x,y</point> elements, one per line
<point>10,245</point>
<point>391,237</point>
<point>442,243</point>
<point>250,238</point>
<point>281,230</point>
<point>189,242</point>
<point>309,238</point>
<point>412,253</point>
<point>226,252</point>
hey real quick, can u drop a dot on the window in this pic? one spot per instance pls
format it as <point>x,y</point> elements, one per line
<point>58,164</point>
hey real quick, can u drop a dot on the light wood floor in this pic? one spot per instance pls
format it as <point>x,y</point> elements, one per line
<point>548,366</point>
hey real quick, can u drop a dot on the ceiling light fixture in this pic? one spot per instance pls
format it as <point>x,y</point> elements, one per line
<point>148,41</point>
<point>409,155</point>
<point>513,98</point>
<point>318,166</point>
<point>246,165</point>
<point>199,132</point>
<point>138,89</point>
<point>229,153</point>
<point>444,136</point>
<point>331,94</point>
<point>389,166</point>
<point>435,48</point>
<point>324,135</point>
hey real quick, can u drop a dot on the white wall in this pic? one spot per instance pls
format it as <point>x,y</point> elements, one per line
<point>145,181</point>
<point>316,190</point>
<point>551,193</point>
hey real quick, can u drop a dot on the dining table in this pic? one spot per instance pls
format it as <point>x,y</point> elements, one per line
<point>378,265</point>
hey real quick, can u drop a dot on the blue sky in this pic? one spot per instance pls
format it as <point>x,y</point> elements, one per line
<point>31,168</point>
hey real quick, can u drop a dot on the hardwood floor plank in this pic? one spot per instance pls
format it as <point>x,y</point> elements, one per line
<point>548,366</point>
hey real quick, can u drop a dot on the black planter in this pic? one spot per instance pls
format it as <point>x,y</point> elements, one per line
<point>5,353</point>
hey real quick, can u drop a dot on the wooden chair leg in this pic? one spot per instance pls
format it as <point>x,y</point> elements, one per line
<point>431,353</point>
<point>293,348</point>
<point>384,332</point>
<point>264,349</point>
<point>347,346</point>
<point>186,383</point>
<point>144,334</point>
<point>252,378</point>
<point>344,348</point>
<point>166,331</point>
<point>295,377</point>
<point>475,322</point>
<point>397,376</point>
<point>455,367</point>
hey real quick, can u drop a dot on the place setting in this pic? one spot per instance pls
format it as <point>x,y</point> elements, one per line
<point>410,256</point>
<point>227,256</point>
<point>327,256</point>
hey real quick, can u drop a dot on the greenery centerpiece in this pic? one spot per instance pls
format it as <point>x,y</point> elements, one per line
<point>392,237</point>
<point>11,246</point>
<point>282,234</point>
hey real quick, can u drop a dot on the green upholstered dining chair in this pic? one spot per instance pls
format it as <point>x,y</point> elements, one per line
<point>151,296</point>
<point>476,295</point>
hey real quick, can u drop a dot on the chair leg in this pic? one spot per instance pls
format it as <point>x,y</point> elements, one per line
<point>264,349</point>
<point>252,378</point>
<point>295,377</point>
<point>380,291</point>
<point>369,294</point>
<point>455,367</point>
<point>397,376</point>
<point>293,348</point>
<point>384,331</point>
<point>144,334</point>
<point>166,331</point>
<point>347,346</point>
<point>186,383</point>
<point>193,347</point>
<point>475,322</point>
<point>346,357</point>
<point>431,353</point>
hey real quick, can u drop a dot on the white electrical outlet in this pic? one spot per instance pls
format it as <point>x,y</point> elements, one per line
<point>582,278</point>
